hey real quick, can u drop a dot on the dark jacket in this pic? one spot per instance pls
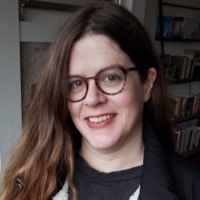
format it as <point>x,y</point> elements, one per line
<point>166,175</point>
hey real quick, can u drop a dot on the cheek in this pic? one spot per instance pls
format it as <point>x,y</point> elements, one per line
<point>74,109</point>
<point>133,94</point>
<point>130,107</point>
<point>132,102</point>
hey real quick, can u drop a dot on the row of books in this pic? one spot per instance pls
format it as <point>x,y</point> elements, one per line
<point>178,28</point>
<point>192,53</point>
<point>185,105</point>
<point>180,68</point>
<point>186,138</point>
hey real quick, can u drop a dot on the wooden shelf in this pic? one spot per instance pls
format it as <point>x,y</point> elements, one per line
<point>193,155</point>
<point>176,39</point>
<point>180,6</point>
<point>173,82</point>
<point>50,6</point>
<point>184,119</point>
<point>191,152</point>
<point>71,5</point>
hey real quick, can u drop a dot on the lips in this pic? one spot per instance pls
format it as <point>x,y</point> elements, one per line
<point>100,119</point>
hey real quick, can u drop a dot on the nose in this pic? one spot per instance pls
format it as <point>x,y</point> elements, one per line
<point>94,96</point>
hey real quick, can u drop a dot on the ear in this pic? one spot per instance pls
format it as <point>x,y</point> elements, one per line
<point>148,85</point>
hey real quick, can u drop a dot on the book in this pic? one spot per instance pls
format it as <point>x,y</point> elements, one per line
<point>178,65</point>
<point>167,22</point>
<point>186,138</point>
<point>189,105</point>
<point>191,53</point>
<point>177,106</point>
<point>178,28</point>
<point>195,73</point>
<point>184,106</point>
<point>188,68</point>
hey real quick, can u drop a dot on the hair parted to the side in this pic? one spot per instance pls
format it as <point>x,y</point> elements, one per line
<point>49,142</point>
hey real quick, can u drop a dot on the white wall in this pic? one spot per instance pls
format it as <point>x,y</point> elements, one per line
<point>139,9</point>
<point>10,86</point>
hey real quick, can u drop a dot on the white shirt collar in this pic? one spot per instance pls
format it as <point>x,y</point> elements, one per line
<point>63,193</point>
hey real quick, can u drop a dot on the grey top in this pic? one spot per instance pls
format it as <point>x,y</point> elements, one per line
<point>92,184</point>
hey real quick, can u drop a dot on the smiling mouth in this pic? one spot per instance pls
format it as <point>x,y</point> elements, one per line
<point>100,118</point>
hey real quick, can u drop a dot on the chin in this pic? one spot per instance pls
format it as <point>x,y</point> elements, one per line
<point>102,145</point>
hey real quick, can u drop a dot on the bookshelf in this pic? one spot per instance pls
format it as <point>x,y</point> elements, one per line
<point>183,81</point>
<point>194,155</point>
<point>181,70</point>
<point>160,36</point>
<point>178,29</point>
<point>187,118</point>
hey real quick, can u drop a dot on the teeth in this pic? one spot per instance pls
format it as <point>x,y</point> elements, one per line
<point>99,119</point>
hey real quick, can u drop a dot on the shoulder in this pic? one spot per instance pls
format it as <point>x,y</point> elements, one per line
<point>63,193</point>
<point>182,167</point>
<point>185,174</point>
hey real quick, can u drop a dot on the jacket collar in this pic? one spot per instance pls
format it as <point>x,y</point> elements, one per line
<point>156,182</point>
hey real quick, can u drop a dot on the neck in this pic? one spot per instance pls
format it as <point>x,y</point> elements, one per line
<point>130,155</point>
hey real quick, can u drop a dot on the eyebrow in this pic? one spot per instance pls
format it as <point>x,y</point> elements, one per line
<point>107,67</point>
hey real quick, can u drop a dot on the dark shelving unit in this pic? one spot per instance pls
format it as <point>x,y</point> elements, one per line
<point>194,154</point>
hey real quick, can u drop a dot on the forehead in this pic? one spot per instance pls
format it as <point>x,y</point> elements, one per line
<point>96,52</point>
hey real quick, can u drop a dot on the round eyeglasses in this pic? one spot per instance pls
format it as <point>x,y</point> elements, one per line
<point>110,81</point>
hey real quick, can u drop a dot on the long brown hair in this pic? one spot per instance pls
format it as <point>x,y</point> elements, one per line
<point>49,141</point>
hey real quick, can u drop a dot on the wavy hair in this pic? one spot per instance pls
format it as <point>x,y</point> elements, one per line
<point>44,154</point>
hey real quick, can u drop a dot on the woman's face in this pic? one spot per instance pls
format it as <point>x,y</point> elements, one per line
<point>107,122</point>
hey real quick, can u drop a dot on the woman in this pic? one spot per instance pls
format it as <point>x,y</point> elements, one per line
<point>97,127</point>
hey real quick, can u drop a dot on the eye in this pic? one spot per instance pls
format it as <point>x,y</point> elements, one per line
<point>112,76</point>
<point>76,84</point>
